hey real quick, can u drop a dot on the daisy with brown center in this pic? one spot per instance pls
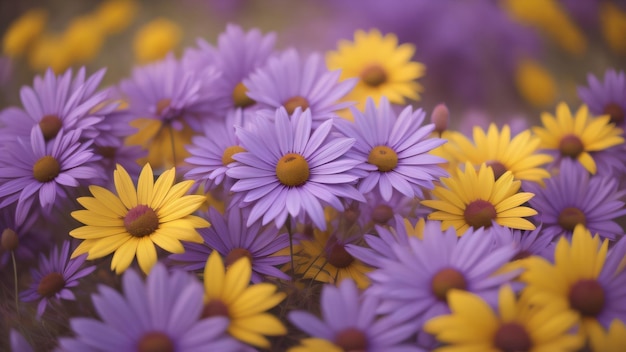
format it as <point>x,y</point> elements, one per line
<point>130,223</point>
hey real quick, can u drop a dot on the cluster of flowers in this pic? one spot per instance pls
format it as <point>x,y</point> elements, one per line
<point>319,212</point>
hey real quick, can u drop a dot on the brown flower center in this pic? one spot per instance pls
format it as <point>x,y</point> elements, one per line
<point>351,339</point>
<point>162,104</point>
<point>512,337</point>
<point>571,146</point>
<point>141,221</point>
<point>235,255</point>
<point>50,285</point>
<point>240,96</point>
<point>337,256</point>
<point>479,213</point>
<point>374,75</point>
<point>227,156</point>
<point>445,280</point>
<point>587,297</point>
<point>50,125</point>
<point>292,170</point>
<point>46,169</point>
<point>383,157</point>
<point>382,213</point>
<point>615,111</point>
<point>570,217</point>
<point>498,168</point>
<point>215,308</point>
<point>155,342</point>
<point>9,240</point>
<point>296,102</point>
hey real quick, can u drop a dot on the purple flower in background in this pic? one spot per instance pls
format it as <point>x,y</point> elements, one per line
<point>527,243</point>
<point>232,239</point>
<point>377,210</point>
<point>291,82</point>
<point>289,170</point>
<point>393,151</point>
<point>350,322</point>
<point>19,343</point>
<point>34,169</point>
<point>574,197</point>
<point>16,237</point>
<point>164,312</point>
<point>55,277</point>
<point>607,97</point>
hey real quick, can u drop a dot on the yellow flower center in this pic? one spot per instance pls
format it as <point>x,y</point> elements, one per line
<point>141,221</point>
<point>445,280</point>
<point>296,102</point>
<point>382,213</point>
<point>374,75</point>
<point>227,156</point>
<point>46,169</point>
<point>615,111</point>
<point>571,146</point>
<point>337,255</point>
<point>215,308</point>
<point>240,96</point>
<point>155,341</point>
<point>50,285</point>
<point>235,255</point>
<point>479,213</point>
<point>351,339</point>
<point>498,168</point>
<point>292,170</point>
<point>512,337</point>
<point>162,104</point>
<point>570,217</point>
<point>383,157</point>
<point>587,297</point>
<point>9,240</point>
<point>50,126</point>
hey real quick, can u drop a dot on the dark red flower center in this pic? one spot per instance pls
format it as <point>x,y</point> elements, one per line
<point>587,296</point>
<point>446,280</point>
<point>215,308</point>
<point>382,213</point>
<point>570,217</point>
<point>337,256</point>
<point>46,169</point>
<point>141,221</point>
<point>383,157</point>
<point>155,342</point>
<point>107,152</point>
<point>50,125</point>
<point>373,75</point>
<point>512,337</point>
<point>227,156</point>
<point>615,111</point>
<point>498,168</point>
<point>235,255</point>
<point>10,240</point>
<point>50,285</point>
<point>240,96</point>
<point>296,102</point>
<point>292,170</point>
<point>571,145</point>
<point>479,213</point>
<point>351,340</point>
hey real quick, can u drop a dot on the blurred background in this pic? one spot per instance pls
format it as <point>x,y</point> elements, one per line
<point>488,60</point>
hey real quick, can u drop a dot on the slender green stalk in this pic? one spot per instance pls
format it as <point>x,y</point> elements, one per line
<point>290,232</point>
<point>17,302</point>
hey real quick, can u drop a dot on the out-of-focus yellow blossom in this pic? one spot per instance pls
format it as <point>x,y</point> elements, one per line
<point>613,26</point>
<point>49,51</point>
<point>23,32</point>
<point>83,39</point>
<point>114,16</point>
<point>535,84</point>
<point>549,17</point>
<point>155,39</point>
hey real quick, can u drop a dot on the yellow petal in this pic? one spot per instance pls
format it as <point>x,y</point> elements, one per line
<point>145,184</point>
<point>146,254</point>
<point>125,187</point>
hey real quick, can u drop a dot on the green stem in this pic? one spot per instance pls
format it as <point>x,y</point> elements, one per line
<point>290,232</point>
<point>17,302</point>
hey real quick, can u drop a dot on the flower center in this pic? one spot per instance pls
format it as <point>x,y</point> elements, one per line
<point>107,152</point>
<point>571,146</point>
<point>383,157</point>
<point>615,111</point>
<point>445,280</point>
<point>155,342</point>
<point>50,285</point>
<point>587,297</point>
<point>479,213</point>
<point>374,75</point>
<point>296,102</point>
<point>240,96</point>
<point>235,255</point>
<point>227,156</point>
<point>50,126</point>
<point>215,308</point>
<point>570,217</point>
<point>498,168</point>
<point>292,170</point>
<point>163,104</point>
<point>382,213</point>
<point>9,240</point>
<point>141,221</point>
<point>352,213</point>
<point>46,169</point>
<point>512,337</point>
<point>337,255</point>
<point>351,339</point>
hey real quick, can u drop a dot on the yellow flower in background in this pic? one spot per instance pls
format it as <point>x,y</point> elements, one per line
<point>611,340</point>
<point>114,16</point>
<point>83,39</point>
<point>23,32</point>
<point>165,144</point>
<point>384,67</point>
<point>613,26</point>
<point>130,223</point>
<point>155,39</point>
<point>228,293</point>
<point>535,84</point>
<point>49,51</point>
<point>314,344</point>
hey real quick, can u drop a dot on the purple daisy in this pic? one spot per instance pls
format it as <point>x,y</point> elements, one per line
<point>16,237</point>
<point>289,82</point>
<point>607,97</point>
<point>232,239</point>
<point>413,283</point>
<point>163,313</point>
<point>19,343</point>
<point>36,169</point>
<point>574,197</point>
<point>55,277</point>
<point>393,151</point>
<point>378,211</point>
<point>527,243</point>
<point>289,170</point>
<point>349,321</point>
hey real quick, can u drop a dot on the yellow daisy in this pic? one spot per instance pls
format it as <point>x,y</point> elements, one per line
<point>517,326</point>
<point>165,144</point>
<point>315,345</point>
<point>228,293</point>
<point>383,67</point>
<point>133,221</point>
<point>474,198</point>
<point>503,153</point>
<point>577,136</point>
<point>611,340</point>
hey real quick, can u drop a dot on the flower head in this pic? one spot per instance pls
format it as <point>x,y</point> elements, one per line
<point>607,97</point>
